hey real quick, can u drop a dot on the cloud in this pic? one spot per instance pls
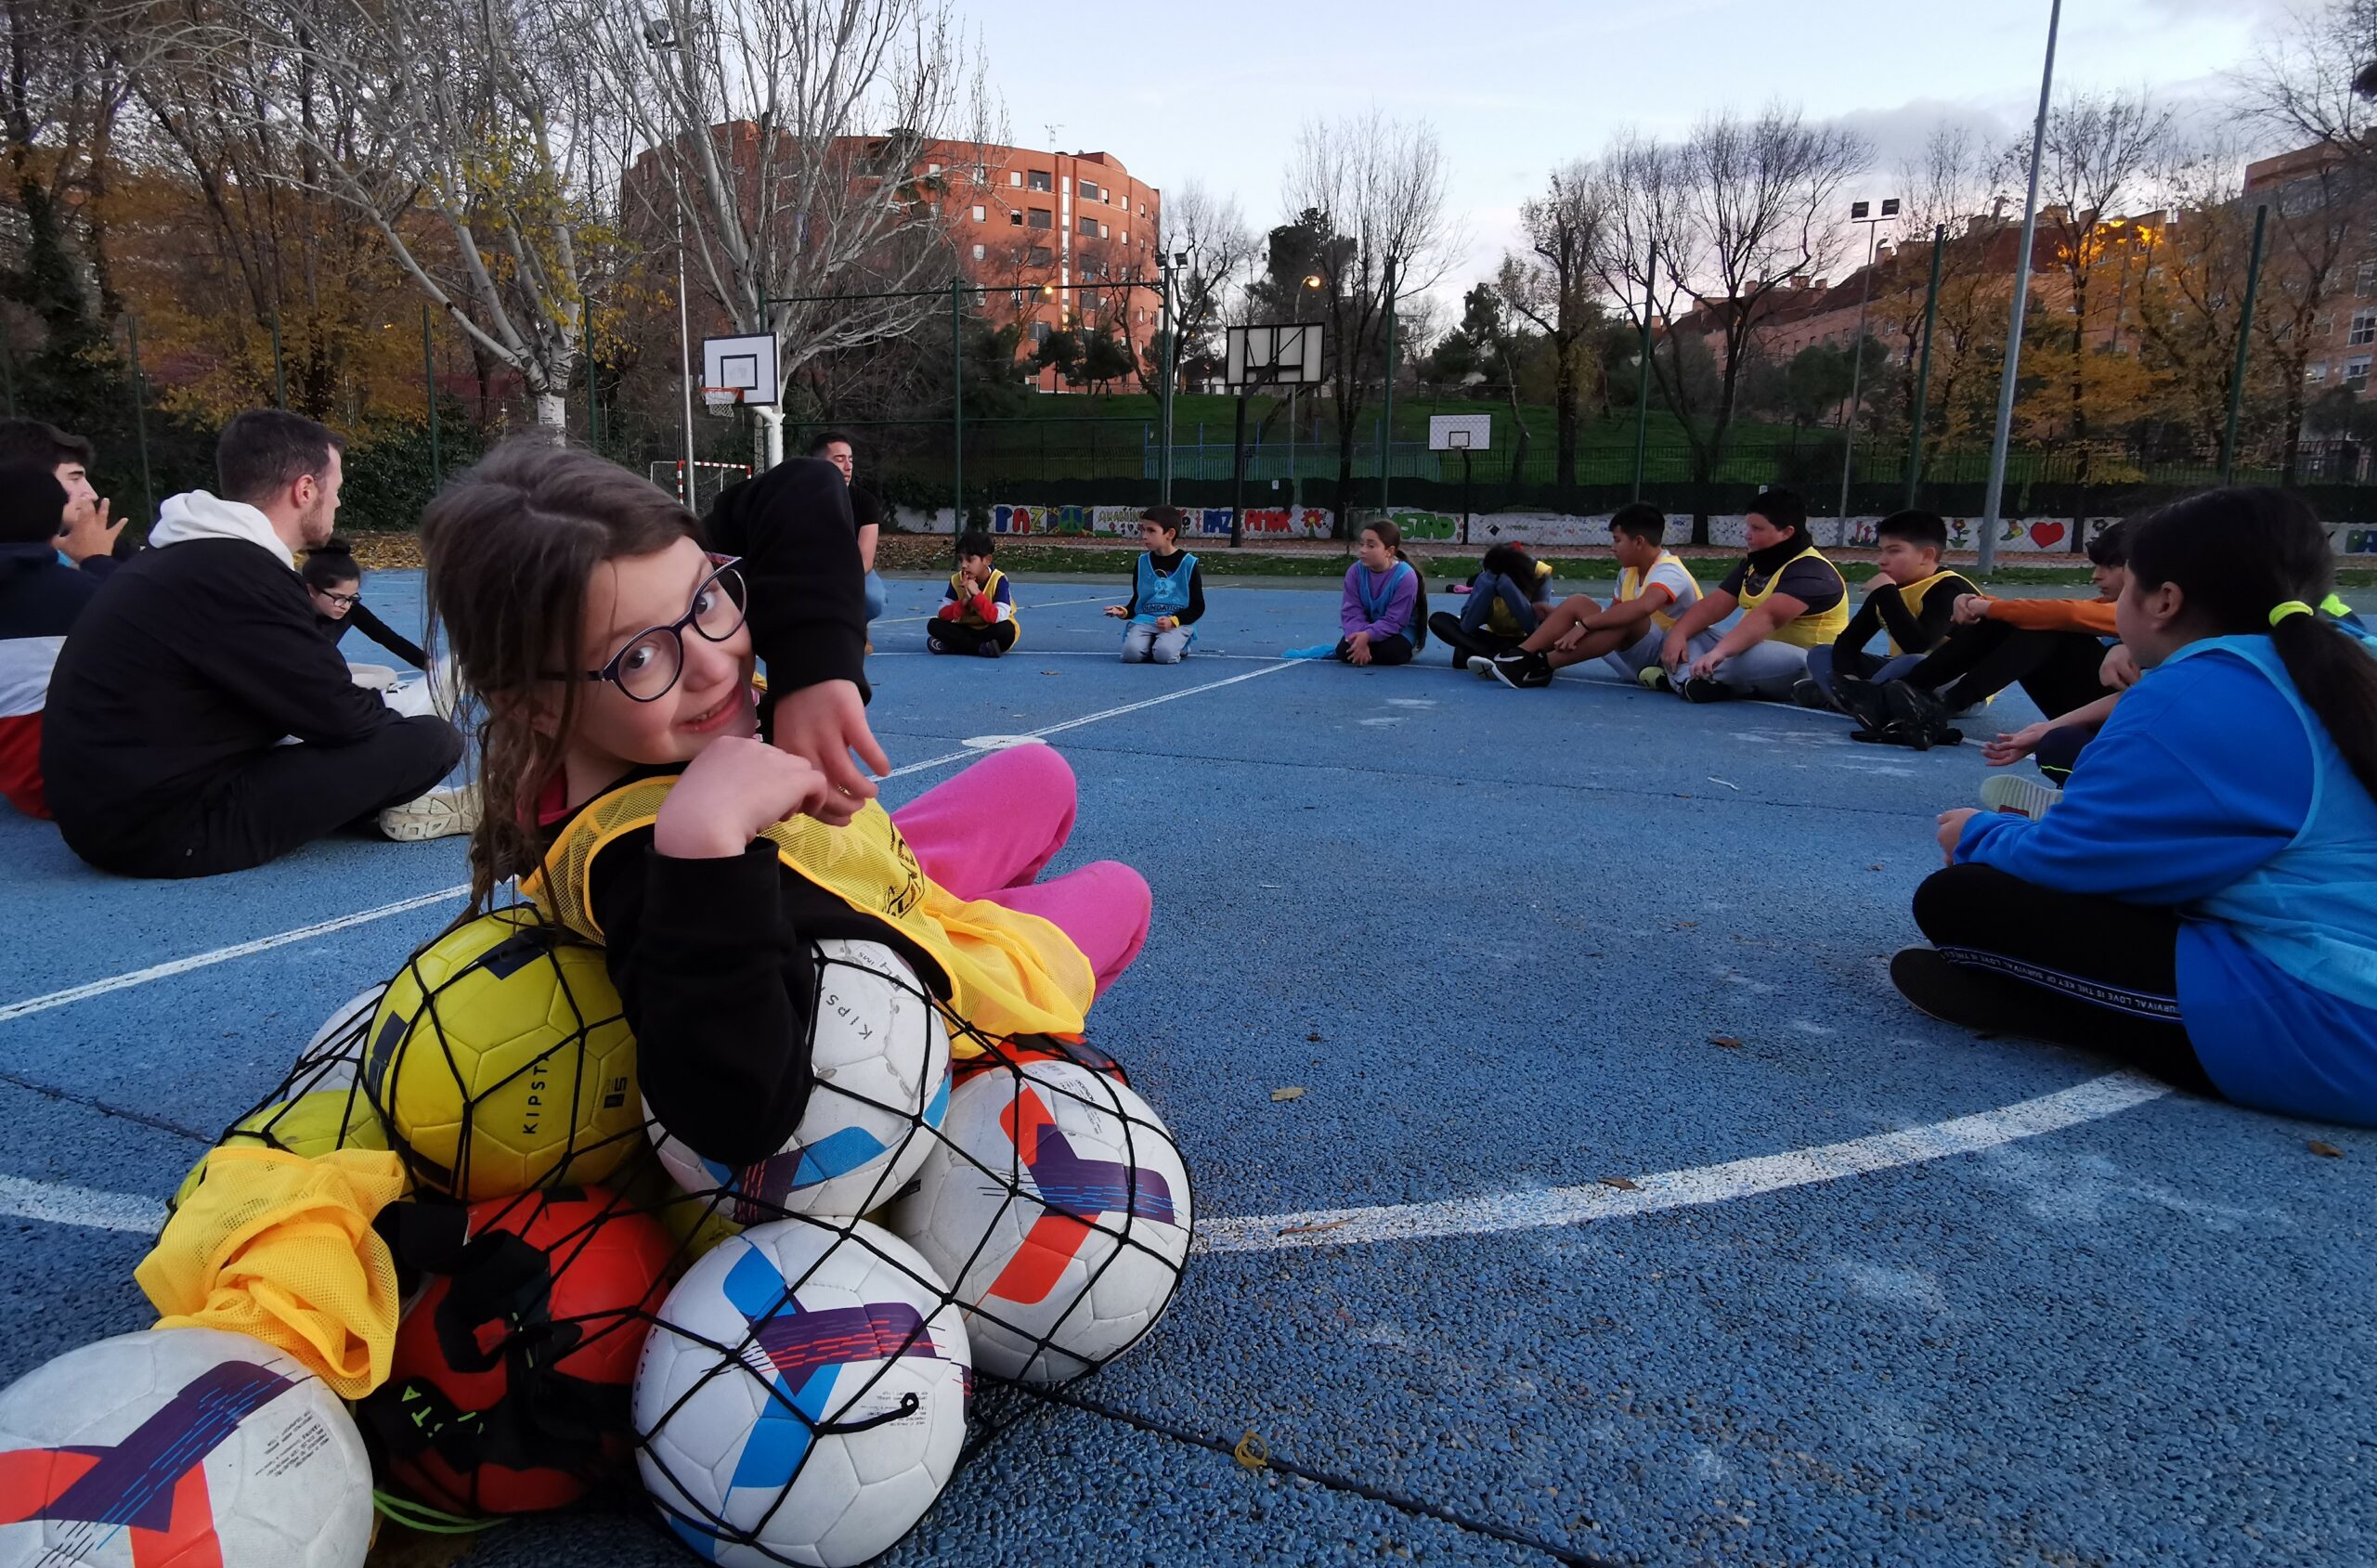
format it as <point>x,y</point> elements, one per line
<point>1898,134</point>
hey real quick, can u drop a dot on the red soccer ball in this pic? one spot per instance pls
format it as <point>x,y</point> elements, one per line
<point>509,1386</point>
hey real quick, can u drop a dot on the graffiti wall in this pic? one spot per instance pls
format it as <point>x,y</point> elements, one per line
<point>1084,522</point>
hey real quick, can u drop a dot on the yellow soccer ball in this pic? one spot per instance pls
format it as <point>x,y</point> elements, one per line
<point>311,1124</point>
<point>502,1061</point>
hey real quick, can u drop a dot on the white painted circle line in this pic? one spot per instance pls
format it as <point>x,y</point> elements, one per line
<point>1549,1206</point>
<point>999,743</point>
<point>1494,1213</point>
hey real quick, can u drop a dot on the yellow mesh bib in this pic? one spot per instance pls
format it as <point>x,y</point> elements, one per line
<point>1006,973</point>
<point>1912,596</point>
<point>1817,627</point>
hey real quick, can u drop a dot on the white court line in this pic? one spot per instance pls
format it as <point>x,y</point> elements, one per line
<point>222,954</point>
<point>57,1204</point>
<point>1491,1214</point>
<point>1549,1206</point>
<point>1019,608</point>
<point>1095,718</point>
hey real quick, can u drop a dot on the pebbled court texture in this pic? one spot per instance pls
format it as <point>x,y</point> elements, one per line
<point>1534,1269</point>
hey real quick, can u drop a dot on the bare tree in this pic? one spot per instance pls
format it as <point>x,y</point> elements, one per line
<point>2301,89</point>
<point>460,140</point>
<point>1208,228</point>
<point>1553,288</point>
<point>2095,156</point>
<point>1379,185</point>
<point>1948,189</point>
<point>805,148</point>
<point>1734,213</point>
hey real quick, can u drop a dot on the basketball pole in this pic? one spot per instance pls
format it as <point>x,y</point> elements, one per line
<point>685,360</point>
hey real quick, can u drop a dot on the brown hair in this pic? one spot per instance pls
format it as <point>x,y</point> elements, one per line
<point>509,547</point>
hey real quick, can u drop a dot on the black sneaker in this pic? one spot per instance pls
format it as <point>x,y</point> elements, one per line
<point>1705,688</point>
<point>1863,701</point>
<point>1520,671</point>
<point>1805,693</point>
<point>1923,717</point>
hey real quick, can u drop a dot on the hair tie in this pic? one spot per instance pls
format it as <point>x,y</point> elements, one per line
<point>2291,608</point>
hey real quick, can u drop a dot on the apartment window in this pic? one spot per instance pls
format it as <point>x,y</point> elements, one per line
<point>932,169</point>
<point>978,215</point>
<point>2364,279</point>
<point>1041,218</point>
<point>1039,332</point>
<point>2364,328</point>
<point>2323,326</point>
<point>2356,371</point>
<point>1040,256</point>
<point>1089,227</point>
<point>978,253</point>
<point>1101,231</point>
<point>1126,236</point>
<point>1014,177</point>
<point>1040,181</point>
<point>1014,218</point>
<point>1087,189</point>
<point>2315,373</point>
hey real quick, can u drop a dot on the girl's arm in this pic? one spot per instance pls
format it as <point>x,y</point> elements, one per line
<point>1350,619</point>
<point>386,636</point>
<point>2203,773</point>
<point>792,528</point>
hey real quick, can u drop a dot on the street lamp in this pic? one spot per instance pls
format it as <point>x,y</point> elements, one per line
<point>660,34</point>
<point>1859,212</point>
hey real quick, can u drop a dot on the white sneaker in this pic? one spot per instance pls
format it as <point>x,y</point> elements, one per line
<point>1481,666</point>
<point>439,814</point>
<point>2018,795</point>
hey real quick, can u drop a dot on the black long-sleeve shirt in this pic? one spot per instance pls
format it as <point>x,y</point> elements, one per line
<point>793,528</point>
<point>716,975</point>
<point>1884,610</point>
<point>359,617</point>
<point>1165,567</point>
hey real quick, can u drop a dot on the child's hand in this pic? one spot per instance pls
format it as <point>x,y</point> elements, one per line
<point>948,612</point>
<point>1968,610</point>
<point>1358,648</point>
<point>1952,829</point>
<point>733,792</point>
<point>1118,611</point>
<point>1705,667</point>
<point>822,725</point>
<point>1671,652</point>
<point>1166,623</point>
<point>2120,670</point>
<point>2007,749</point>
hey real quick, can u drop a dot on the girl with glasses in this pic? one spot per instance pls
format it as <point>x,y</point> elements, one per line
<point>629,785</point>
<point>334,583</point>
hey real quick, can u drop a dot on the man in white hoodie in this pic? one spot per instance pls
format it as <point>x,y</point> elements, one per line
<point>161,745</point>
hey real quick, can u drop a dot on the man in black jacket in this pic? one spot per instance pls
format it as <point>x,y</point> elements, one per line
<point>163,743</point>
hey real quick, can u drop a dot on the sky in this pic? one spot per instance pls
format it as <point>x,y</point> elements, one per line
<point>1515,87</point>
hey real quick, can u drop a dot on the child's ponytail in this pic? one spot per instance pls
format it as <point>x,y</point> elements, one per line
<point>2257,559</point>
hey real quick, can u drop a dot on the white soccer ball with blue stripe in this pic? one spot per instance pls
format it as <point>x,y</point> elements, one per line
<point>802,1396</point>
<point>880,1061</point>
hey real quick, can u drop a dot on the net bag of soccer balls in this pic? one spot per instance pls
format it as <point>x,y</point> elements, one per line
<point>950,1205</point>
<point>784,1352</point>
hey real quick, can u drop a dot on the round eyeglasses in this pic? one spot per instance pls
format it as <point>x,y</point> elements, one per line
<point>647,667</point>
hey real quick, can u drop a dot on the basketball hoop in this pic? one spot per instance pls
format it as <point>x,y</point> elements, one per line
<point>721,400</point>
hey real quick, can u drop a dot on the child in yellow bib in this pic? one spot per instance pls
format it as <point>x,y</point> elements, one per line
<point>1909,603</point>
<point>628,788</point>
<point>1791,599</point>
<point>977,614</point>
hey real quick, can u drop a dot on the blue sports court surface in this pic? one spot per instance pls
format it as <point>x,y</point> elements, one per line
<point>1626,1215</point>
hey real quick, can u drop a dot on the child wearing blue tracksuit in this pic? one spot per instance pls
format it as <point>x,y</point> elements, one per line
<point>1167,594</point>
<point>2203,900</point>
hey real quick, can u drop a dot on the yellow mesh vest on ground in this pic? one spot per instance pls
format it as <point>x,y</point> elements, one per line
<point>1006,973</point>
<point>1912,596</point>
<point>1630,586</point>
<point>280,1248</point>
<point>1817,627</point>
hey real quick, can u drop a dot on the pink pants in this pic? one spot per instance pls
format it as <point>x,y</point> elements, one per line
<point>988,833</point>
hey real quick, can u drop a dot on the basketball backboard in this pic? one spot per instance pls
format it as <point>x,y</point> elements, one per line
<point>747,364</point>
<point>1459,432</point>
<point>1281,353</point>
